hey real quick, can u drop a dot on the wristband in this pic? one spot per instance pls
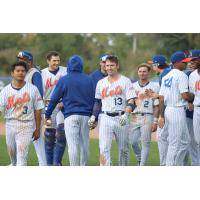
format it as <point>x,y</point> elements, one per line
<point>155,120</point>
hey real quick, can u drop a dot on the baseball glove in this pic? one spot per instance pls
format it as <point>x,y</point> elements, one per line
<point>92,122</point>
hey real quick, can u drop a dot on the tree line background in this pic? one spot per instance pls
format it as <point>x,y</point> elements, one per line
<point>131,48</point>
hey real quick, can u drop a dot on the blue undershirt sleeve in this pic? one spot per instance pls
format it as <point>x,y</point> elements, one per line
<point>37,81</point>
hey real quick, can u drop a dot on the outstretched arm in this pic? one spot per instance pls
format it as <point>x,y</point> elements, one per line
<point>58,93</point>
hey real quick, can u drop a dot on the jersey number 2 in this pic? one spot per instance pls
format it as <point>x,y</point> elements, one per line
<point>118,101</point>
<point>146,104</point>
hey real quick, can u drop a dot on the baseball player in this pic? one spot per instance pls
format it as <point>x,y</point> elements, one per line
<point>101,72</point>
<point>34,76</point>
<point>115,94</point>
<point>145,116</point>
<point>194,86</point>
<point>55,140</point>
<point>193,148</point>
<point>161,68</point>
<point>174,95</point>
<point>76,91</point>
<point>22,104</point>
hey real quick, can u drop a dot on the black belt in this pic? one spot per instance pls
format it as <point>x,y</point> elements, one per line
<point>114,114</point>
<point>142,114</point>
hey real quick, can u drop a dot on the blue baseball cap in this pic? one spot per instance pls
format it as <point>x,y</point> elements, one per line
<point>195,53</point>
<point>25,55</point>
<point>159,59</point>
<point>103,57</point>
<point>179,56</point>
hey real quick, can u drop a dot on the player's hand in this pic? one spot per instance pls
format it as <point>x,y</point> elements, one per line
<point>92,122</point>
<point>123,119</point>
<point>60,105</point>
<point>151,94</point>
<point>190,107</point>
<point>154,127</point>
<point>161,122</point>
<point>142,96</point>
<point>36,134</point>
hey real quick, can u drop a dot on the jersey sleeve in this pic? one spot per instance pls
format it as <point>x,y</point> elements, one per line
<point>37,81</point>
<point>2,101</point>
<point>130,92</point>
<point>97,91</point>
<point>183,83</point>
<point>162,89</point>
<point>191,84</point>
<point>156,89</point>
<point>38,102</point>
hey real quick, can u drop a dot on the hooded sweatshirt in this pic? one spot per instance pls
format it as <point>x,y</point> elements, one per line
<point>75,89</point>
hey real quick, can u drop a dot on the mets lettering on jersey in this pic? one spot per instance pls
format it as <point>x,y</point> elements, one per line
<point>51,83</point>
<point>116,91</point>
<point>197,85</point>
<point>12,101</point>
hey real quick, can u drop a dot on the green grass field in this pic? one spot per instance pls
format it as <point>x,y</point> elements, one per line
<point>94,154</point>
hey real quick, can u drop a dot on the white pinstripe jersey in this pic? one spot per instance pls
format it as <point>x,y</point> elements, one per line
<point>194,86</point>
<point>50,80</point>
<point>20,104</point>
<point>114,95</point>
<point>145,105</point>
<point>173,84</point>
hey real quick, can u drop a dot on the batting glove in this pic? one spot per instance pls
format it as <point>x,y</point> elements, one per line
<point>48,123</point>
<point>92,122</point>
<point>123,119</point>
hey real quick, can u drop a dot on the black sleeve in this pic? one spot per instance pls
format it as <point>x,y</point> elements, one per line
<point>97,108</point>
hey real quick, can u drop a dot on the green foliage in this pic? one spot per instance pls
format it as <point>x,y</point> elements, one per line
<point>132,49</point>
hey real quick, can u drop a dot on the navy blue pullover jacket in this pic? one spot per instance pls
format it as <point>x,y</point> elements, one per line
<point>75,89</point>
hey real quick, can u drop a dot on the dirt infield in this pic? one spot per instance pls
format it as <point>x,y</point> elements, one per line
<point>93,133</point>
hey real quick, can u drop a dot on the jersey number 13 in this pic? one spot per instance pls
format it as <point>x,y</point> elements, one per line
<point>118,101</point>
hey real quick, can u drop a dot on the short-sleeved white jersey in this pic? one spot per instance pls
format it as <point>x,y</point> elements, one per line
<point>50,80</point>
<point>20,104</point>
<point>145,105</point>
<point>194,86</point>
<point>114,95</point>
<point>173,85</point>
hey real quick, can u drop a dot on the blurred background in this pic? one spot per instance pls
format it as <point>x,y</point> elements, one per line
<point>131,48</point>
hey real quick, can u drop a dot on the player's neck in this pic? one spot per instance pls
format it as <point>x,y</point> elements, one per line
<point>52,69</point>
<point>113,78</point>
<point>103,71</point>
<point>17,84</point>
<point>143,82</point>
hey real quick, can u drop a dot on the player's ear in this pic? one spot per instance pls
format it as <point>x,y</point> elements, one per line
<point>12,73</point>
